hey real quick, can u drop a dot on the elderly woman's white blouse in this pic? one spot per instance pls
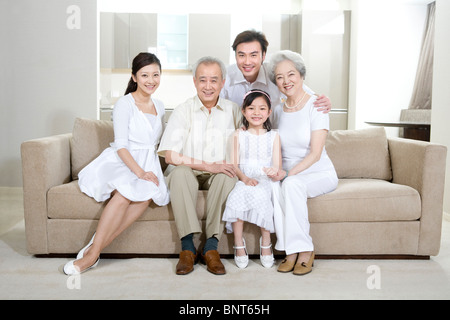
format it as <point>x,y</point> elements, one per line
<point>295,130</point>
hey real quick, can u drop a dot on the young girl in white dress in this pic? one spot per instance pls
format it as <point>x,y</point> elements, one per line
<point>128,173</point>
<point>253,149</point>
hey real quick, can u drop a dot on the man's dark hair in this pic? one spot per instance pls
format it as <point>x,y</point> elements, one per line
<point>250,36</point>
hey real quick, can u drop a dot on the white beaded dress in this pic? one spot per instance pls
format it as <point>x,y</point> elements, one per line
<point>252,203</point>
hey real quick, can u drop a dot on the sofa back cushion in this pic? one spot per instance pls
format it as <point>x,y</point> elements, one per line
<point>89,139</point>
<point>360,153</point>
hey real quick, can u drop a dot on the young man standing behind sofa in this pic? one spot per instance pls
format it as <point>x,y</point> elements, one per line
<point>194,145</point>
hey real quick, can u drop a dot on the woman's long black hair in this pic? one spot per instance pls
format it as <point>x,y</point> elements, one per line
<point>141,60</point>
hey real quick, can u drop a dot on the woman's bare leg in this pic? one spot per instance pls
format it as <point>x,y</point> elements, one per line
<point>134,211</point>
<point>118,215</point>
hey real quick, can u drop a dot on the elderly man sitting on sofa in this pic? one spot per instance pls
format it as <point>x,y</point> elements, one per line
<point>195,143</point>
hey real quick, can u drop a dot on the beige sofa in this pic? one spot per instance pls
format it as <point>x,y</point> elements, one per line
<point>388,202</point>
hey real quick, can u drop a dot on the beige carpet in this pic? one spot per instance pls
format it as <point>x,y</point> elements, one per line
<point>23,276</point>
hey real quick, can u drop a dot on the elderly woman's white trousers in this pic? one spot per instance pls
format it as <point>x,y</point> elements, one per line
<point>291,211</point>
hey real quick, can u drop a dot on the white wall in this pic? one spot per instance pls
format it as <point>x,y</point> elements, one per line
<point>440,114</point>
<point>48,74</point>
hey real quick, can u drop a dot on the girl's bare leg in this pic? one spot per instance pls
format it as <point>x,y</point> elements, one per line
<point>238,228</point>
<point>265,242</point>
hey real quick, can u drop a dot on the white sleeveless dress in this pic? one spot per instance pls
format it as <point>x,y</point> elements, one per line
<point>140,134</point>
<point>252,203</point>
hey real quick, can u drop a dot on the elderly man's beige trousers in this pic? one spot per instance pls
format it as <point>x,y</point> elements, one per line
<point>184,183</point>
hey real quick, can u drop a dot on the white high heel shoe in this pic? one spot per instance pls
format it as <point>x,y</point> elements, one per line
<point>268,260</point>
<point>241,261</point>
<point>70,269</point>
<point>81,253</point>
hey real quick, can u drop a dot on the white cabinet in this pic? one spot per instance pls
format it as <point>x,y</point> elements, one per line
<point>143,33</point>
<point>115,40</point>
<point>125,35</point>
<point>209,35</point>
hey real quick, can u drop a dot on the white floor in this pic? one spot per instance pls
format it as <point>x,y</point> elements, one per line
<point>23,276</point>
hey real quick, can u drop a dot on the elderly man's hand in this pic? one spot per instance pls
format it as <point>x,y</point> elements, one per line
<point>227,169</point>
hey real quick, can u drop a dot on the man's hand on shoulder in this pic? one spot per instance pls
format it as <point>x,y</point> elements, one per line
<point>323,103</point>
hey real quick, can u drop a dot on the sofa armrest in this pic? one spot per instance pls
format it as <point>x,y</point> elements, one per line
<point>45,164</point>
<point>421,165</point>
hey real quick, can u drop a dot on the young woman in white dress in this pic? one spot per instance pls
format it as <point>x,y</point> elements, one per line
<point>307,170</point>
<point>128,173</point>
<point>253,149</point>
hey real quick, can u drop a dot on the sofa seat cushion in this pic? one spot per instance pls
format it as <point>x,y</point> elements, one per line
<point>353,200</point>
<point>356,200</point>
<point>68,202</point>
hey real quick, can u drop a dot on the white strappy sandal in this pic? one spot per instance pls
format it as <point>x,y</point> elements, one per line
<point>268,260</point>
<point>241,261</point>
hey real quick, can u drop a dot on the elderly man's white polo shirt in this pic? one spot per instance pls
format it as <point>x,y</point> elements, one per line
<point>199,134</point>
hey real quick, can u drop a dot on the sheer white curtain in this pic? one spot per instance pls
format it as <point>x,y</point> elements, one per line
<point>422,92</point>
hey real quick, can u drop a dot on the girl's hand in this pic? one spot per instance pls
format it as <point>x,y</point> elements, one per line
<point>274,173</point>
<point>250,182</point>
<point>149,176</point>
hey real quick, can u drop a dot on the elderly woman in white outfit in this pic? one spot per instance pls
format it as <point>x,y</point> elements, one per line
<point>307,170</point>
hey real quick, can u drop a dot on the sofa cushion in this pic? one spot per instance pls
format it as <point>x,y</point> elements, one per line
<point>89,139</point>
<point>360,153</point>
<point>66,201</point>
<point>357,200</point>
<point>366,200</point>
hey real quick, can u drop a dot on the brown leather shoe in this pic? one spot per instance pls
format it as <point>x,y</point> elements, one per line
<point>304,267</point>
<point>286,266</point>
<point>186,262</point>
<point>213,263</point>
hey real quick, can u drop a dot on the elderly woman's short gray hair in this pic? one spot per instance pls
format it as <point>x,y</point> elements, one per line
<point>281,56</point>
<point>210,60</point>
